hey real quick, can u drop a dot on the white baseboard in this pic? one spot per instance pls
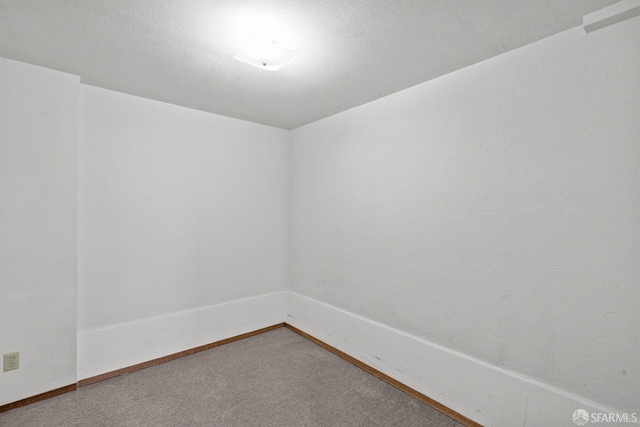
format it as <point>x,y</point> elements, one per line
<point>484,393</point>
<point>105,350</point>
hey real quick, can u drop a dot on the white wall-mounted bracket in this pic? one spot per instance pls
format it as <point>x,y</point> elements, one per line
<point>610,15</point>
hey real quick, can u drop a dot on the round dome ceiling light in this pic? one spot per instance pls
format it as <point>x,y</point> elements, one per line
<point>265,53</point>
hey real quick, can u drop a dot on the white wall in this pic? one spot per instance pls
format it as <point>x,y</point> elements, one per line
<point>38,199</point>
<point>183,231</point>
<point>487,219</point>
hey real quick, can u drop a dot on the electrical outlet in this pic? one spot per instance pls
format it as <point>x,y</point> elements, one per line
<point>11,361</point>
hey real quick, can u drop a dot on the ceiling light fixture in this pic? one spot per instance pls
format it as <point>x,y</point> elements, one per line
<point>265,53</point>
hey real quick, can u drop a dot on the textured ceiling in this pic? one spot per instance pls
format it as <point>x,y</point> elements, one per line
<point>351,51</point>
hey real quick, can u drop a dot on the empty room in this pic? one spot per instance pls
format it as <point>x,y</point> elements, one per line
<point>286,213</point>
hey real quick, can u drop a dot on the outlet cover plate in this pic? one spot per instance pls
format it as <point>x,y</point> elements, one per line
<point>11,361</point>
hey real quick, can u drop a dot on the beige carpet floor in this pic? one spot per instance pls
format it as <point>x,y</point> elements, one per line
<point>276,379</point>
